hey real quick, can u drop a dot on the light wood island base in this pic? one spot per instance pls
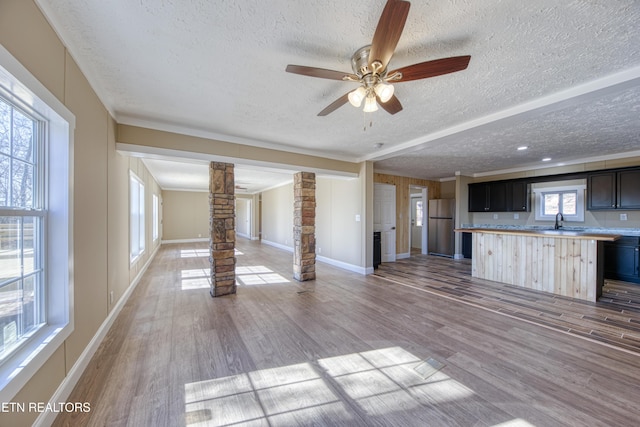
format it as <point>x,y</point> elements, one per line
<point>568,264</point>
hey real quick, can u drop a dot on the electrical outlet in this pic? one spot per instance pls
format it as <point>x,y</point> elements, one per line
<point>495,216</point>
<point>319,250</point>
<point>623,217</point>
<point>110,297</point>
<point>357,218</point>
<point>516,216</point>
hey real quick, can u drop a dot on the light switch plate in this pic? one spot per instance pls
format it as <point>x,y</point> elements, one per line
<point>357,218</point>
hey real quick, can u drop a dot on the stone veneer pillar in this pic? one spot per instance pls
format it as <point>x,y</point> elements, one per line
<point>304,226</point>
<point>222,218</point>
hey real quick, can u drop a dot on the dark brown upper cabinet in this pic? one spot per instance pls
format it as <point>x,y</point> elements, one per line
<point>488,197</point>
<point>614,190</point>
<point>499,196</point>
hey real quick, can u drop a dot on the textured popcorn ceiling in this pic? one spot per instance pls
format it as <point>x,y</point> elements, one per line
<point>562,77</point>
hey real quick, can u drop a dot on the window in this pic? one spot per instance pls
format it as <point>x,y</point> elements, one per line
<point>36,279</point>
<point>569,201</point>
<point>156,224</point>
<point>22,219</point>
<point>136,208</point>
<point>419,213</point>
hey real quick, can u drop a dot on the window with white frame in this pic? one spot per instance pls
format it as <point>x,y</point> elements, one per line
<point>156,223</point>
<point>36,279</point>
<point>136,220</point>
<point>22,221</point>
<point>567,200</point>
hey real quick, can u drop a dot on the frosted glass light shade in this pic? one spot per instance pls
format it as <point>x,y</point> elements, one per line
<point>370,104</point>
<point>356,96</point>
<point>384,91</point>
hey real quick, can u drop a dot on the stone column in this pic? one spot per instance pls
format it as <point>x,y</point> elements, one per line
<point>304,226</point>
<point>222,218</point>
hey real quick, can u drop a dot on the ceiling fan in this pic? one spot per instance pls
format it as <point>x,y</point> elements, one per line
<point>370,62</point>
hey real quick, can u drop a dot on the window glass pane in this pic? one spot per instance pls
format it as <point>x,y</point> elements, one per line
<point>5,127</point>
<point>29,244</point>
<point>141,227</point>
<point>10,299</point>
<point>155,217</point>
<point>22,191</point>
<point>23,132</point>
<point>551,203</point>
<point>30,312</point>
<point>5,171</point>
<point>569,203</point>
<point>419,213</point>
<point>10,249</point>
<point>133,220</point>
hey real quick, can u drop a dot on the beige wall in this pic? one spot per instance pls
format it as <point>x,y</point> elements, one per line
<point>277,215</point>
<point>185,215</point>
<point>100,191</point>
<point>338,234</point>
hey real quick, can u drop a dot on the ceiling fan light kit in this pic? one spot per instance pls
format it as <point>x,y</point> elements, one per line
<point>369,64</point>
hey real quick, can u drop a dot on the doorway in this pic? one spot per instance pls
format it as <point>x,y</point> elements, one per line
<point>384,219</point>
<point>417,220</point>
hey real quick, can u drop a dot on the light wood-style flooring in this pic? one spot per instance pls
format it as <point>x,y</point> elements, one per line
<point>342,350</point>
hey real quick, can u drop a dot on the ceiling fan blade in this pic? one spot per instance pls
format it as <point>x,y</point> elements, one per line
<point>392,106</point>
<point>388,32</point>
<point>335,105</point>
<point>433,68</point>
<point>319,72</point>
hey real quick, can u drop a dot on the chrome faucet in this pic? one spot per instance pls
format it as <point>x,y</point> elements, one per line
<point>558,225</point>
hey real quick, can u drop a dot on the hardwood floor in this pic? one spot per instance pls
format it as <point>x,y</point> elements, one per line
<point>613,320</point>
<point>342,351</point>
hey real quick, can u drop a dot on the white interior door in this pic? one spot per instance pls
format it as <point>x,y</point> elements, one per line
<point>384,219</point>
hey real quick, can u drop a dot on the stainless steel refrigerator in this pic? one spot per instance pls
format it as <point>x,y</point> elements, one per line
<point>441,225</point>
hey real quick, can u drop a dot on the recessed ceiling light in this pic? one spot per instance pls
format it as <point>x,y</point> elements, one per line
<point>546,159</point>
<point>524,147</point>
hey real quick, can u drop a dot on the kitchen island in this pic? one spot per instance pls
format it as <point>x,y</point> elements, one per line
<point>566,263</point>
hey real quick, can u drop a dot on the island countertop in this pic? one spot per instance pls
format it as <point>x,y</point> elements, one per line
<point>563,234</point>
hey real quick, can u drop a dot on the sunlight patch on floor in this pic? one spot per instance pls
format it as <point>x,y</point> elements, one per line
<point>379,381</point>
<point>258,275</point>
<point>194,253</point>
<point>196,278</point>
<point>518,422</point>
<point>292,394</point>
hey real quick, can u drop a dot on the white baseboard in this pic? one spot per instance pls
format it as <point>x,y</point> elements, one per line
<point>458,256</point>
<point>344,265</point>
<point>330,261</point>
<point>73,376</point>
<point>197,240</point>
<point>278,245</point>
<point>403,256</point>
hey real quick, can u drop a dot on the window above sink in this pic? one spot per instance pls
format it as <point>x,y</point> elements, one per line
<point>567,200</point>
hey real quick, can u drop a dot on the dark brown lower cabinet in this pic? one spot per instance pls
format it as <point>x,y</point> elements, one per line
<point>622,259</point>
